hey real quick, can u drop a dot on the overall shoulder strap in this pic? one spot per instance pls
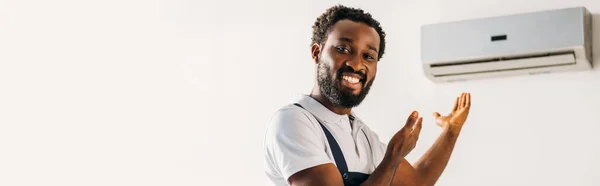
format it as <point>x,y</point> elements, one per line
<point>340,161</point>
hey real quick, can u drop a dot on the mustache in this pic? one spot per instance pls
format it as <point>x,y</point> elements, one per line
<point>349,69</point>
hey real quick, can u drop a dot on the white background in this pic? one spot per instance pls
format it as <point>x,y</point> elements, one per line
<point>179,92</point>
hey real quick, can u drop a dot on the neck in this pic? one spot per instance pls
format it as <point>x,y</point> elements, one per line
<point>316,94</point>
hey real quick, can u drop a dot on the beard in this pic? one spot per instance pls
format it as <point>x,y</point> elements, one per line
<point>329,86</point>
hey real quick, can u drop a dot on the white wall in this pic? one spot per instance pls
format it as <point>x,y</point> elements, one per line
<point>179,93</point>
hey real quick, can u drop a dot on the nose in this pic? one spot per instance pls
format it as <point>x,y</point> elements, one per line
<point>355,63</point>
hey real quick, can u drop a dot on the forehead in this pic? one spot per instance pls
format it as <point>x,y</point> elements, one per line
<point>357,32</point>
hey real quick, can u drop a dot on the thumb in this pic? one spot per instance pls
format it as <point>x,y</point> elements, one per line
<point>436,114</point>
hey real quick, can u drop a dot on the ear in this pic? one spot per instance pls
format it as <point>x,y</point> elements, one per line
<point>315,52</point>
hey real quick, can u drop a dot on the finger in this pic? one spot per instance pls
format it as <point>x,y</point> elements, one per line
<point>410,121</point>
<point>461,100</point>
<point>468,99</point>
<point>436,115</point>
<point>455,105</point>
<point>465,100</point>
<point>418,127</point>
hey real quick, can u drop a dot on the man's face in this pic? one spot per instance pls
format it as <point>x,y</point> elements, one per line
<point>347,63</point>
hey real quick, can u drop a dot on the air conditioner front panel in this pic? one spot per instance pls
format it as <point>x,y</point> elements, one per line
<point>520,44</point>
<point>503,35</point>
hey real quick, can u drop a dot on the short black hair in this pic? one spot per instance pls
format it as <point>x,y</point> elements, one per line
<point>325,22</point>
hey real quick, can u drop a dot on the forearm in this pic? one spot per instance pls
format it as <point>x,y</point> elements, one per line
<point>384,173</point>
<point>431,165</point>
<point>394,173</point>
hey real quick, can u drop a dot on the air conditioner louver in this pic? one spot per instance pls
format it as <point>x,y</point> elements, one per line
<point>502,64</point>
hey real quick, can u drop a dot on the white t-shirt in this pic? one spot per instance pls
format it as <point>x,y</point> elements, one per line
<point>295,141</point>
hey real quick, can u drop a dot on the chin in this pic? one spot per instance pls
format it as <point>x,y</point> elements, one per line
<point>355,93</point>
<point>347,91</point>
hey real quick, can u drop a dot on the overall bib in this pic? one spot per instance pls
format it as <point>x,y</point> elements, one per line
<point>350,178</point>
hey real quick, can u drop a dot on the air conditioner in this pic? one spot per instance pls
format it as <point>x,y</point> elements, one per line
<point>519,44</point>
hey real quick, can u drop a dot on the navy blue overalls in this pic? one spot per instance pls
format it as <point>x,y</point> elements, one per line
<point>350,178</point>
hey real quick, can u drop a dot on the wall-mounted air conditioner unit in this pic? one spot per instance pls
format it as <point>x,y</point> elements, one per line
<point>520,44</point>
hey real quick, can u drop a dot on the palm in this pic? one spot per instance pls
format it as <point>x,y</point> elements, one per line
<point>405,140</point>
<point>459,113</point>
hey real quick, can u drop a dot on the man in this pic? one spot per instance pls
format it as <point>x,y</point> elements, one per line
<point>318,140</point>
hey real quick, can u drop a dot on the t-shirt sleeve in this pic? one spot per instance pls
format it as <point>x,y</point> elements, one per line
<point>293,143</point>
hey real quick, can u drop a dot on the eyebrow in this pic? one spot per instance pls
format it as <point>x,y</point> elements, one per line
<point>350,41</point>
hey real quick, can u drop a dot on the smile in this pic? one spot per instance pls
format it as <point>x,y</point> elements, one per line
<point>352,81</point>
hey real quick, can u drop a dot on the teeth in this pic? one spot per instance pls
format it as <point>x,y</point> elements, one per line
<point>350,79</point>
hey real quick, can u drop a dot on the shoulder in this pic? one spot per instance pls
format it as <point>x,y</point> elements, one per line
<point>292,125</point>
<point>291,118</point>
<point>293,142</point>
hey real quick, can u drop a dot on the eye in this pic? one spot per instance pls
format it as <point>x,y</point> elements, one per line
<point>369,57</point>
<point>342,49</point>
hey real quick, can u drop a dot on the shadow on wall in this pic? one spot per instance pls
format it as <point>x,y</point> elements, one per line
<point>596,40</point>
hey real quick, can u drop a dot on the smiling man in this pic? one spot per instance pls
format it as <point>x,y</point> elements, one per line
<point>318,139</point>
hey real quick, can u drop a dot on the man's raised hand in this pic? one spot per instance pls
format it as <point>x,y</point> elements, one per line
<point>405,140</point>
<point>459,113</point>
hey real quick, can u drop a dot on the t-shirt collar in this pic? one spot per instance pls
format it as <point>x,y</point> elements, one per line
<point>323,113</point>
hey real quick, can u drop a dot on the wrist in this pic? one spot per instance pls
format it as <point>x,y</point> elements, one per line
<point>392,158</point>
<point>453,129</point>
